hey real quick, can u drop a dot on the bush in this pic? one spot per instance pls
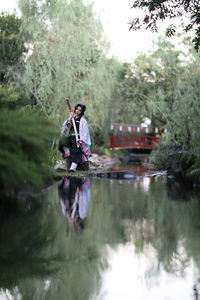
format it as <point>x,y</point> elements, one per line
<point>159,155</point>
<point>25,138</point>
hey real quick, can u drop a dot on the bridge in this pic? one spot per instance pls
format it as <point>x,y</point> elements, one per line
<point>124,136</point>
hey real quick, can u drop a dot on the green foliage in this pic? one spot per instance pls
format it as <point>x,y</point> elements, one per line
<point>29,236</point>
<point>186,111</point>
<point>8,95</point>
<point>11,44</point>
<point>164,86</point>
<point>148,78</point>
<point>159,156</point>
<point>126,107</point>
<point>40,246</point>
<point>156,10</point>
<point>68,60</point>
<point>12,96</point>
<point>180,107</point>
<point>25,137</point>
<point>159,159</point>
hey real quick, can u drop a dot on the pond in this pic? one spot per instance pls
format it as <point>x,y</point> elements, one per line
<point>103,239</point>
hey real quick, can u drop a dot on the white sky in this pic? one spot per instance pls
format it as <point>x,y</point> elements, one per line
<point>115,16</point>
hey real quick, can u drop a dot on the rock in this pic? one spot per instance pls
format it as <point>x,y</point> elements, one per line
<point>195,177</point>
<point>102,161</point>
<point>157,174</point>
<point>60,166</point>
<point>96,162</point>
<point>117,174</point>
<point>173,147</point>
<point>179,164</point>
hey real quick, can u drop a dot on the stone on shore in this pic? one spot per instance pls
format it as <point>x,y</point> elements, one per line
<point>96,162</point>
<point>181,166</point>
<point>178,164</point>
<point>102,161</point>
<point>60,166</point>
<point>117,174</point>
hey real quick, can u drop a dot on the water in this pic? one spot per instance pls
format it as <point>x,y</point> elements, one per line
<point>103,239</point>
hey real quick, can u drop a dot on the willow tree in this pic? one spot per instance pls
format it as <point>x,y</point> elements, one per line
<point>164,86</point>
<point>66,59</point>
<point>186,111</point>
<point>25,133</point>
<point>176,98</point>
<point>149,79</point>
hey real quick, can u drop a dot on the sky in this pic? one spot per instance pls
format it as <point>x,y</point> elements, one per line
<point>115,16</point>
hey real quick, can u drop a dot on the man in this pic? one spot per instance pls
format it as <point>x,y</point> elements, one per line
<point>76,152</point>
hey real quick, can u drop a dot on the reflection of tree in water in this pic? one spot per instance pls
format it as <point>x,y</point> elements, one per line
<point>38,262</point>
<point>24,237</point>
<point>196,290</point>
<point>171,227</point>
<point>81,276</point>
<point>180,190</point>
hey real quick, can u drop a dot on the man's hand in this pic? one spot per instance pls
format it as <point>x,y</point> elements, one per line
<point>79,143</point>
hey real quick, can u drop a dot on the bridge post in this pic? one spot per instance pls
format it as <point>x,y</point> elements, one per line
<point>111,142</point>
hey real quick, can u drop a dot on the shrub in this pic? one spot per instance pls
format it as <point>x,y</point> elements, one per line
<point>25,138</point>
<point>159,155</point>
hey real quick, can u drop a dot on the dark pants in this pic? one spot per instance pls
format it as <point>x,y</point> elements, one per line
<point>75,152</point>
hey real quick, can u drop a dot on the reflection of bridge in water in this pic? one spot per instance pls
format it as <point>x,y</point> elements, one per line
<point>134,137</point>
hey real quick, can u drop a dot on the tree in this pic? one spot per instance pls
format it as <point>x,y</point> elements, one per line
<point>162,9</point>
<point>68,60</point>
<point>164,86</point>
<point>150,79</point>
<point>11,44</point>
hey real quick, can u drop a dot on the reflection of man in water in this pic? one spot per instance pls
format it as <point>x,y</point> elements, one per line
<point>74,196</point>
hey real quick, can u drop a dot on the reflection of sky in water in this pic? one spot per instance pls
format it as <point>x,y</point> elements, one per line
<point>131,276</point>
<point>136,269</point>
<point>6,295</point>
<point>143,182</point>
<point>136,243</point>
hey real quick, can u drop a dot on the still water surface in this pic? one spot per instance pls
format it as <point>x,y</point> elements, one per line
<point>93,239</point>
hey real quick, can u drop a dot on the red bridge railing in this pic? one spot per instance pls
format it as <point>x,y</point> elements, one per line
<point>133,142</point>
<point>126,136</point>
